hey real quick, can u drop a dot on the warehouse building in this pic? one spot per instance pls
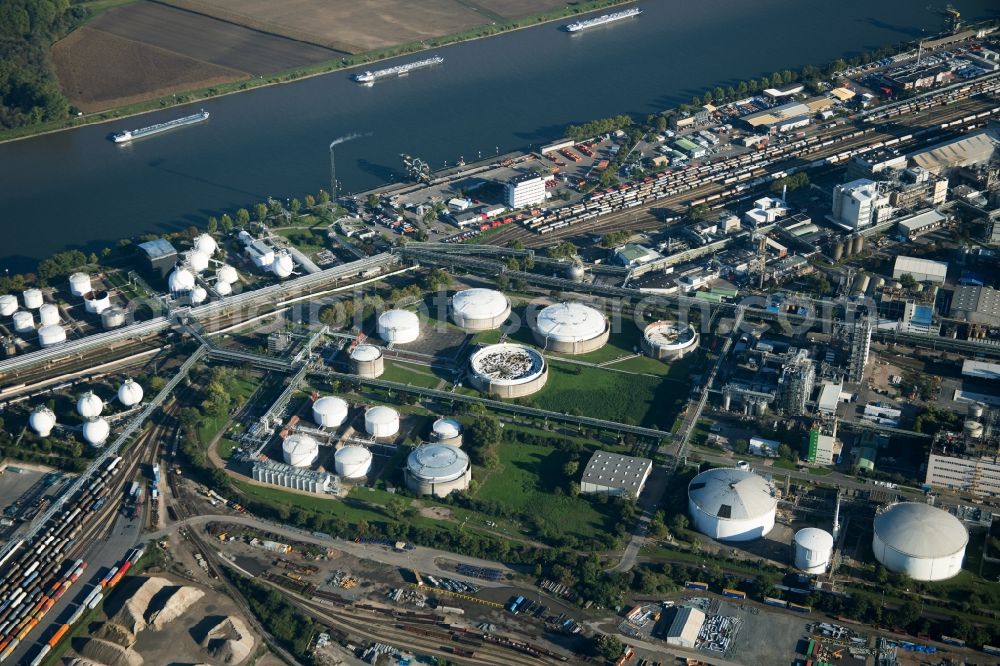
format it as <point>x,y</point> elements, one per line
<point>969,149</point>
<point>685,627</point>
<point>160,255</point>
<point>917,225</point>
<point>979,305</point>
<point>921,270</point>
<point>614,474</point>
<point>779,115</point>
<point>632,254</point>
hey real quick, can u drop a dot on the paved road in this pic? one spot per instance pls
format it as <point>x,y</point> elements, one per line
<point>649,501</point>
<point>420,558</point>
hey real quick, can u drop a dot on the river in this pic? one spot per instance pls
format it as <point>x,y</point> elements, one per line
<point>76,189</point>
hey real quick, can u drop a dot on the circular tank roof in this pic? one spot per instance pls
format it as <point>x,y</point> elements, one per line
<point>732,494</point>
<point>920,530</point>
<point>447,428</point>
<point>479,303</point>
<point>366,353</point>
<point>668,334</point>
<point>570,322</point>
<point>507,364</point>
<point>394,320</point>
<point>298,443</point>
<point>352,455</point>
<point>437,462</point>
<point>381,414</point>
<point>814,538</point>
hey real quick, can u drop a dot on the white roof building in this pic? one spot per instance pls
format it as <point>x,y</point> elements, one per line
<point>615,474</point>
<point>922,270</point>
<point>980,369</point>
<point>829,398</point>
<point>684,628</point>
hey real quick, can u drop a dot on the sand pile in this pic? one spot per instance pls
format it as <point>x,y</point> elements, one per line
<point>116,633</point>
<point>132,615</point>
<point>229,642</point>
<point>112,654</point>
<point>180,599</point>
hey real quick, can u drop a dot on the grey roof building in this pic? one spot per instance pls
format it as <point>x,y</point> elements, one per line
<point>615,474</point>
<point>160,254</point>
<point>979,305</point>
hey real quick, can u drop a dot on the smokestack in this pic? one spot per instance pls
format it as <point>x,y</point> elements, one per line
<point>333,176</point>
<point>836,516</point>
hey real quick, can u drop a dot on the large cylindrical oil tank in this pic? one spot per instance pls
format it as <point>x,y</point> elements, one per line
<point>113,317</point>
<point>813,549</point>
<point>731,504</point>
<point>973,429</point>
<point>329,412</point>
<point>447,431</point>
<point>437,469</point>
<point>24,321</point>
<point>48,315</point>
<point>352,462</point>
<point>33,298</point>
<point>8,305</point>
<point>97,302</point>
<point>52,335</point>
<point>79,284</point>
<point>382,421</point>
<point>919,540</point>
<point>299,450</point>
<point>367,361</point>
<point>398,326</point>
<point>479,309</point>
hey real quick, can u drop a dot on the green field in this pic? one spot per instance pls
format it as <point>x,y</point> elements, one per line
<point>407,373</point>
<point>524,483</point>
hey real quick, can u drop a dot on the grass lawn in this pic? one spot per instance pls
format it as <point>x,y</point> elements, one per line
<point>523,482</point>
<point>209,426</point>
<point>407,373</point>
<point>307,241</point>
<point>614,396</point>
<point>348,509</point>
<point>642,365</point>
<point>225,448</point>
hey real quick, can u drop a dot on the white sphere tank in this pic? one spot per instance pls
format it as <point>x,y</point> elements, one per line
<point>96,431</point>
<point>8,305</point>
<point>79,284</point>
<point>398,326</point>
<point>382,421</point>
<point>329,412</point>
<point>223,288</point>
<point>813,549</point>
<point>227,273</point>
<point>198,295</point>
<point>24,321</point>
<point>197,261</point>
<point>42,420</point>
<point>352,462</point>
<point>48,315</point>
<point>479,309</point>
<point>181,279</point>
<point>282,265</point>
<point>89,406</point>
<point>919,540</point>
<point>206,245</point>
<point>732,504</point>
<point>447,431</point>
<point>49,336</point>
<point>299,450</point>
<point>130,393</point>
<point>32,298</point>
<point>96,302</point>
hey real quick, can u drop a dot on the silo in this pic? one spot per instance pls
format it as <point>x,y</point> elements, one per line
<point>112,318</point>
<point>813,549</point>
<point>299,450</point>
<point>96,302</point>
<point>352,462</point>
<point>862,284</point>
<point>976,410</point>
<point>838,250</point>
<point>48,315</point>
<point>49,336</point>
<point>32,298</point>
<point>79,284</point>
<point>760,408</point>
<point>858,243</point>
<point>8,305</point>
<point>382,421</point>
<point>24,321</point>
<point>329,412</point>
<point>367,361</point>
<point>42,420</point>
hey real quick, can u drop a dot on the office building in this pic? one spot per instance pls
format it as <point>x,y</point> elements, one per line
<point>524,190</point>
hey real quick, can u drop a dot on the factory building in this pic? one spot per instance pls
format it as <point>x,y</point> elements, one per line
<point>795,383</point>
<point>919,540</point>
<point>685,627</point>
<point>286,476</point>
<point>981,370</point>
<point>821,449</point>
<point>871,164</point>
<point>978,305</point>
<point>860,203</point>
<point>979,475</point>
<point>524,190</point>
<point>615,474</point>
<point>732,504</point>
<point>919,224</point>
<point>921,270</point>
<point>633,254</point>
<point>765,211</point>
<point>160,256</point>
<point>918,186</point>
<point>780,118</point>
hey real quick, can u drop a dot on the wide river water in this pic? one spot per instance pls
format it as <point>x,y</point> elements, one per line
<point>76,189</point>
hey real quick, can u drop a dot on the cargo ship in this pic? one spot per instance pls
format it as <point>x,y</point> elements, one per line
<point>131,135</point>
<point>602,19</point>
<point>368,77</point>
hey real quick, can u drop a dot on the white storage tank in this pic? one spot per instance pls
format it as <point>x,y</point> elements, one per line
<point>447,431</point>
<point>227,273</point>
<point>329,412</point>
<point>180,280</point>
<point>197,261</point>
<point>32,298</point>
<point>89,406</point>
<point>668,341</point>
<point>48,314</point>
<point>24,321</point>
<point>571,328</point>
<point>97,302</point>
<point>282,266</point>
<point>8,305</point>
<point>96,431</point>
<point>919,540</point>
<point>508,370</point>
<point>79,284</point>
<point>130,393</point>
<point>299,450</point>
<point>49,336</point>
<point>973,429</point>
<point>437,469</point>
<point>398,326</point>
<point>352,462</point>
<point>479,309</point>
<point>198,295</point>
<point>42,420</point>
<point>382,421</point>
<point>113,317</point>
<point>223,288</point>
<point>813,550</point>
<point>205,244</point>
<point>367,361</point>
<point>731,504</point>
